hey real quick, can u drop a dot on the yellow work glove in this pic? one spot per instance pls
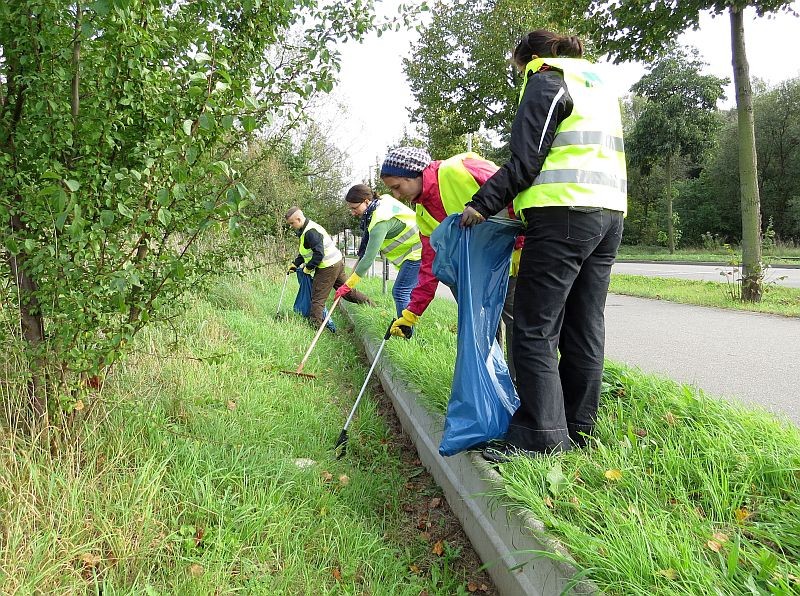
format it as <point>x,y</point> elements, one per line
<point>515,255</point>
<point>292,268</point>
<point>353,280</point>
<point>402,327</point>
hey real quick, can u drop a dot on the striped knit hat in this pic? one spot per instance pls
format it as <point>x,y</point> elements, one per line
<point>405,162</point>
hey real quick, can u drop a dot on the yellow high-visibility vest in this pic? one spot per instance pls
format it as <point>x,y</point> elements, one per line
<point>456,187</point>
<point>585,166</point>
<point>406,246</point>
<point>331,254</point>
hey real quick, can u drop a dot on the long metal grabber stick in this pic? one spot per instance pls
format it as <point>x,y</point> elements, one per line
<point>342,440</point>
<point>316,337</point>
<point>283,289</point>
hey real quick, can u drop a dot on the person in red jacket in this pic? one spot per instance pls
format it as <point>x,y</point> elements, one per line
<point>435,189</point>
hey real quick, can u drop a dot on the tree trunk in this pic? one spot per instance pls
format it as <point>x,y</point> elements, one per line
<point>670,220</point>
<point>32,327</point>
<point>752,269</point>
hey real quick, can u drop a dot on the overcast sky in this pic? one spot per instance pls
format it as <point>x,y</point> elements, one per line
<point>375,91</point>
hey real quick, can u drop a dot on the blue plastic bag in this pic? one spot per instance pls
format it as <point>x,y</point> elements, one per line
<point>475,262</point>
<point>302,303</point>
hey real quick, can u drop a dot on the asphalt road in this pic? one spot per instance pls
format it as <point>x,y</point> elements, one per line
<point>748,357</point>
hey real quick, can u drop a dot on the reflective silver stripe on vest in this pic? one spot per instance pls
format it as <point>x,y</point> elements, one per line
<point>399,260</point>
<point>588,137</point>
<point>581,177</point>
<point>400,240</point>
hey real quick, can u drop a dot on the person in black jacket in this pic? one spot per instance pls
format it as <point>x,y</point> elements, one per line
<point>567,180</point>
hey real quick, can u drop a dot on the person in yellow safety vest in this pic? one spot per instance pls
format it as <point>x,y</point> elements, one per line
<point>390,228</point>
<point>567,180</point>
<point>435,190</point>
<point>319,257</point>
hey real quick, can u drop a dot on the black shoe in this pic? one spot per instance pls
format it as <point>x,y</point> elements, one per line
<point>502,454</point>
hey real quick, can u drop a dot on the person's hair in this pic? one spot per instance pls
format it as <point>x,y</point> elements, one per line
<point>360,193</point>
<point>546,44</point>
<point>291,211</point>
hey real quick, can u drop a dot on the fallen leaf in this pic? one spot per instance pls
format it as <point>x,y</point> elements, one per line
<point>327,476</point>
<point>337,575</point>
<point>720,537</point>
<point>79,405</point>
<point>472,587</point>
<point>484,588</point>
<point>413,569</point>
<point>231,404</point>
<point>668,573</point>
<point>426,536</point>
<point>741,514</point>
<point>344,480</point>
<point>196,570</point>
<point>640,432</point>
<point>574,501</point>
<point>198,536</point>
<point>435,502</point>
<point>670,418</point>
<point>714,545</point>
<point>438,548</point>
<point>90,559</point>
<point>548,502</point>
<point>613,474</point>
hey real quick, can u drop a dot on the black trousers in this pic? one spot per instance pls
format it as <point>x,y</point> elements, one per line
<point>564,272</point>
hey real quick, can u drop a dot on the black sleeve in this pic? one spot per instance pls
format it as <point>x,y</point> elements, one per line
<point>545,104</point>
<point>313,241</point>
<point>298,260</point>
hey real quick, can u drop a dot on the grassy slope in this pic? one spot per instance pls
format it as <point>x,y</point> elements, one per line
<point>184,481</point>
<point>679,493</point>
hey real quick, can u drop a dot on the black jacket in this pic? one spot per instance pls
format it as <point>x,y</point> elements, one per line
<point>545,104</point>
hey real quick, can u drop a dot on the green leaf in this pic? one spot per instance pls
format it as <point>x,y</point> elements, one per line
<point>123,209</point>
<point>248,123</point>
<point>202,57</point>
<point>73,185</point>
<point>191,154</point>
<point>227,122</point>
<point>556,480</point>
<point>162,196</point>
<point>187,127</point>
<point>207,121</point>
<point>30,245</point>
<point>164,216</point>
<point>106,218</point>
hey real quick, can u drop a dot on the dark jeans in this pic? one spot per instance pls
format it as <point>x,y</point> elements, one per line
<point>563,279</point>
<point>405,281</point>
<point>505,328</point>
<point>325,280</point>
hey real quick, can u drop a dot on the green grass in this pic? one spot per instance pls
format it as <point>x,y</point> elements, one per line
<point>776,299</point>
<point>678,493</point>
<point>782,254</point>
<point>182,476</point>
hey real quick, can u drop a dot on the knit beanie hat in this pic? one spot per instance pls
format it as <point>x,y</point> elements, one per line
<point>405,162</point>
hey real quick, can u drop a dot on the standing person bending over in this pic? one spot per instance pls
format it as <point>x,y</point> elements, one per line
<point>567,179</point>
<point>435,189</point>
<point>322,260</point>
<point>388,227</point>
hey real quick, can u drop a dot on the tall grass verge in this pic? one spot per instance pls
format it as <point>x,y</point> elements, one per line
<point>201,469</point>
<point>678,493</point>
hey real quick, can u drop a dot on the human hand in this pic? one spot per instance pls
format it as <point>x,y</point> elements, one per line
<point>470,217</point>
<point>403,326</point>
<point>292,268</point>
<point>343,290</point>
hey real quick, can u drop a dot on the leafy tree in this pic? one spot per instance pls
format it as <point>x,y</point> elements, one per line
<point>120,126</point>
<point>630,29</point>
<point>678,119</point>
<point>459,70</point>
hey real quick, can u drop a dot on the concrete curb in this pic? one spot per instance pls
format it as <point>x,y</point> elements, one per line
<point>511,543</point>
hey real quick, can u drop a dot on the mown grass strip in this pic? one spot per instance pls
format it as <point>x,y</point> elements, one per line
<point>203,470</point>
<point>780,255</point>
<point>679,493</point>
<point>776,300</point>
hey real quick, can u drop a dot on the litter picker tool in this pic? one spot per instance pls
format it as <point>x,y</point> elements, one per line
<point>299,372</point>
<point>280,300</point>
<point>342,440</point>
